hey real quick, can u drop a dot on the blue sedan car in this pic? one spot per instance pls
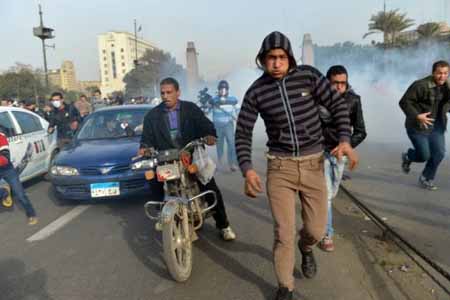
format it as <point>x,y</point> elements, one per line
<point>98,163</point>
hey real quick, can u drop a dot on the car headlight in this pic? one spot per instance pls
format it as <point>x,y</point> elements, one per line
<point>143,164</point>
<point>64,171</point>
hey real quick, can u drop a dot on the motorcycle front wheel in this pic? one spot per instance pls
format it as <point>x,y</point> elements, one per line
<point>177,246</point>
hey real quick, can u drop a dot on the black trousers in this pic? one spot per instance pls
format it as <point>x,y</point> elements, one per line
<point>219,213</point>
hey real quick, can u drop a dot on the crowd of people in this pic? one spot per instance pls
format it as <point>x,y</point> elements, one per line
<point>313,123</point>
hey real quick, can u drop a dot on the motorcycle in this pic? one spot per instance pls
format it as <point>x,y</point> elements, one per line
<point>184,208</point>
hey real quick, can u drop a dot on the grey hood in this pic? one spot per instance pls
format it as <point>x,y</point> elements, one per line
<point>275,40</point>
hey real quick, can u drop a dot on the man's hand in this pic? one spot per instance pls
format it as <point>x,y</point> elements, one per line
<point>253,184</point>
<point>344,149</point>
<point>74,125</point>
<point>50,130</point>
<point>210,140</point>
<point>424,119</point>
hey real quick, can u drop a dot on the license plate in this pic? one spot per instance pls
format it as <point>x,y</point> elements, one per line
<point>168,172</point>
<point>105,189</point>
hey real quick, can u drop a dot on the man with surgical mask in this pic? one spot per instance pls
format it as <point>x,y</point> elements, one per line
<point>224,113</point>
<point>64,117</point>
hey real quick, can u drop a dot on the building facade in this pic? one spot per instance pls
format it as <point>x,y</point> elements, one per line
<point>65,77</point>
<point>86,86</point>
<point>117,53</point>
<point>192,69</point>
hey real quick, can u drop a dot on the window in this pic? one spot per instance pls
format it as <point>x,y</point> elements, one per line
<point>122,50</point>
<point>105,65</point>
<point>106,72</point>
<point>104,51</point>
<point>124,71</point>
<point>113,61</point>
<point>27,122</point>
<point>123,64</point>
<point>106,79</point>
<point>104,57</point>
<point>123,57</point>
<point>112,45</point>
<point>6,125</point>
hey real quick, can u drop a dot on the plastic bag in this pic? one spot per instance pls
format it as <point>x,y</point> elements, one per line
<point>206,166</point>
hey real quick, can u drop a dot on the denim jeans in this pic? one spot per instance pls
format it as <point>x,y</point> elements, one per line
<point>334,170</point>
<point>429,148</point>
<point>225,132</point>
<point>12,178</point>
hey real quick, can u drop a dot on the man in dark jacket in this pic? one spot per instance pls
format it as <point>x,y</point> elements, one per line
<point>334,169</point>
<point>65,118</point>
<point>172,125</point>
<point>287,97</point>
<point>426,104</point>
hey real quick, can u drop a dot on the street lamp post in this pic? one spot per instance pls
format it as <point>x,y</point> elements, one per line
<point>43,33</point>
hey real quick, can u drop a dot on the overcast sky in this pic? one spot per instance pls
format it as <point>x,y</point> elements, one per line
<point>227,33</point>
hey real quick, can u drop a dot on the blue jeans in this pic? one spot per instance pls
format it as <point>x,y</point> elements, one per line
<point>429,148</point>
<point>225,132</point>
<point>334,170</point>
<point>12,178</point>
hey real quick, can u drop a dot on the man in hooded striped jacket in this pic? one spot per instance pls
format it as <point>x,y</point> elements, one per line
<point>287,98</point>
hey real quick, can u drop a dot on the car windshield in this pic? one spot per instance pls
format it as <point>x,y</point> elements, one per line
<point>113,124</point>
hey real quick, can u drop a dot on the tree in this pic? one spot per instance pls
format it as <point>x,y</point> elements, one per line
<point>429,31</point>
<point>22,82</point>
<point>91,89</point>
<point>153,66</point>
<point>390,23</point>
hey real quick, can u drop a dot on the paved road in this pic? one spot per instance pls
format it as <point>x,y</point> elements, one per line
<point>422,216</point>
<point>110,251</point>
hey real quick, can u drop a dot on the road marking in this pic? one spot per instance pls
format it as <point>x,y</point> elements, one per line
<point>57,224</point>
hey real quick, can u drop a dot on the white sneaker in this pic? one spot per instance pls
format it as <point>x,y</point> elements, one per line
<point>228,234</point>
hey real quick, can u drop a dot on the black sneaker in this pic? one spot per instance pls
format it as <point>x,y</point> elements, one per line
<point>283,293</point>
<point>427,184</point>
<point>309,266</point>
<point>406,163</point>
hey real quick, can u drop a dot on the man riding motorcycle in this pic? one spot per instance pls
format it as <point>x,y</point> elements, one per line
<point>173,124</point>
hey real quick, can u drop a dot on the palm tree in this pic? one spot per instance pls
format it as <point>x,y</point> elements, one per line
<point>390,23</point>
<point>428,31</point>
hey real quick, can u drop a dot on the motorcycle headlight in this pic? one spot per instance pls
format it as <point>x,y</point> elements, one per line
<point>143,164</point>
<point>64,171</point>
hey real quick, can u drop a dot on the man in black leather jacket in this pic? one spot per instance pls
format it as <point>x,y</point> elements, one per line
<point>173,124</point>
<point>338,77</point>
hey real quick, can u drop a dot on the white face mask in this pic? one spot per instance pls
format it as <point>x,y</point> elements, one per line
<point>56,103</point>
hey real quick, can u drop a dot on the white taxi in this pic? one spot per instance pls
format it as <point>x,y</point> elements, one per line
<point>31,146</point>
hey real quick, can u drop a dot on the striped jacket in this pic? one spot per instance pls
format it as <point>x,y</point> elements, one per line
<point>289,108</point>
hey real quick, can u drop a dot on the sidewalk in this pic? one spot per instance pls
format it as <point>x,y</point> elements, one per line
<point>364,267</point>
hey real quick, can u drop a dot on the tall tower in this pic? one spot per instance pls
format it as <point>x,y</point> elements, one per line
<point>192,67</point>
<point>307,50</point>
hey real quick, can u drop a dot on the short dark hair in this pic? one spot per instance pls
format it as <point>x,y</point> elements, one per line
<point>336,70</point>
<point>57,94</point>
<point>97,91</point>
<point>83,96</point>
<point>171,81</point>
<point>440,64</point>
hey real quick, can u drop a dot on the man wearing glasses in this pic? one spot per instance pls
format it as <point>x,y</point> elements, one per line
<point>334,169</point>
